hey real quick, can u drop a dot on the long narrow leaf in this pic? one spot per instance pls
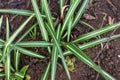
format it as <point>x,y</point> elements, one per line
<point>7,66</point>
<point>53,35</point>
<point>69,14</point>
<point>40,21</point>
<point>78,16</point>
<point>29,53</point>
<point>96,33</point>
<point>46,72</point>
<point>27,32</point>
<point>0,53</point>
<point>70,24</point>
<point>84,58</point>
<point>2,74</point>
<point>29,44</point>
<point>17,11</point>
<point>15,34</point>
<point>16,59</point>
<point>1,19</point>
<point>48,14</point>
<point>7,62</point>
<point>7,29</point>
<point>69,29</point>
<point>55,56</point>
<point>20,75</point>
<point>94,43</point>
<point>20,12</point>
<point>62,2</point>
<point>80,12</point>
<point>35,44</point>
<point>24,69</point>
<point>2,41</point>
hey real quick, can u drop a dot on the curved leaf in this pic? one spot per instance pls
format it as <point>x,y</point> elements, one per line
<point>55,56</point>
<point>84,58</point>
<point>94,43</point>
<point>46,72</point>
<point>15,34</point>
<point>96,33</point>
<point>69,14</point>
<point>29,53</point>
<point>48,14</point>
<point>53,35</point>
<point>40,21</point>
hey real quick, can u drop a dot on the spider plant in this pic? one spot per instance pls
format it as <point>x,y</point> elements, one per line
<point>7,47</point>
<point>55,45</point>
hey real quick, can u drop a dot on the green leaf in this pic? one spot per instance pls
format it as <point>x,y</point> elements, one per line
<point>7,65</point>
<point>62,2</point>
<point>16,59</point>
<point>80,12</point>
<point>33,33</point>
<point>18,76</point>
<point>48,14</point>
<point>15,76</point>
<point>35,44</point>
<point>72,2</point>
<point>15,34</point>
<point>27,77</point>
<point>53,35</point>
<point>29,53</point>
<point>46,72</point>
<point>0,53</point>
<point>1,19</point>
<point>1,44</point>
<point>7,29</point>
<point>26,33</point>
<point>20,12</point>
<point>17,11</point>
<point>24,69</point>
<point>2,41</point>
<point>55,56</point>
<point>2,74</point>
<point>69,24</point>
<point>40,21</point>
<point>84,58</point>
<point>94,43</point>
<point>96,33</point>
<point>69,14</point>
<point>57,44</point>
<point>69,29</point>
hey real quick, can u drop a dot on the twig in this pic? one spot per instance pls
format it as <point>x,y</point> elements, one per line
<point>13,18</point>
<point>98,73</point>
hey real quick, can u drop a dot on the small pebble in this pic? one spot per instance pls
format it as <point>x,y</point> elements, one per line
<point>119,56</point>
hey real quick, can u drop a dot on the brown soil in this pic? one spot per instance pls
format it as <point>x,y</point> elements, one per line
<point>108,59</point>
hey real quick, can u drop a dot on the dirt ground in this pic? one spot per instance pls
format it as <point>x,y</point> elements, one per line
<point>96,14</point>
